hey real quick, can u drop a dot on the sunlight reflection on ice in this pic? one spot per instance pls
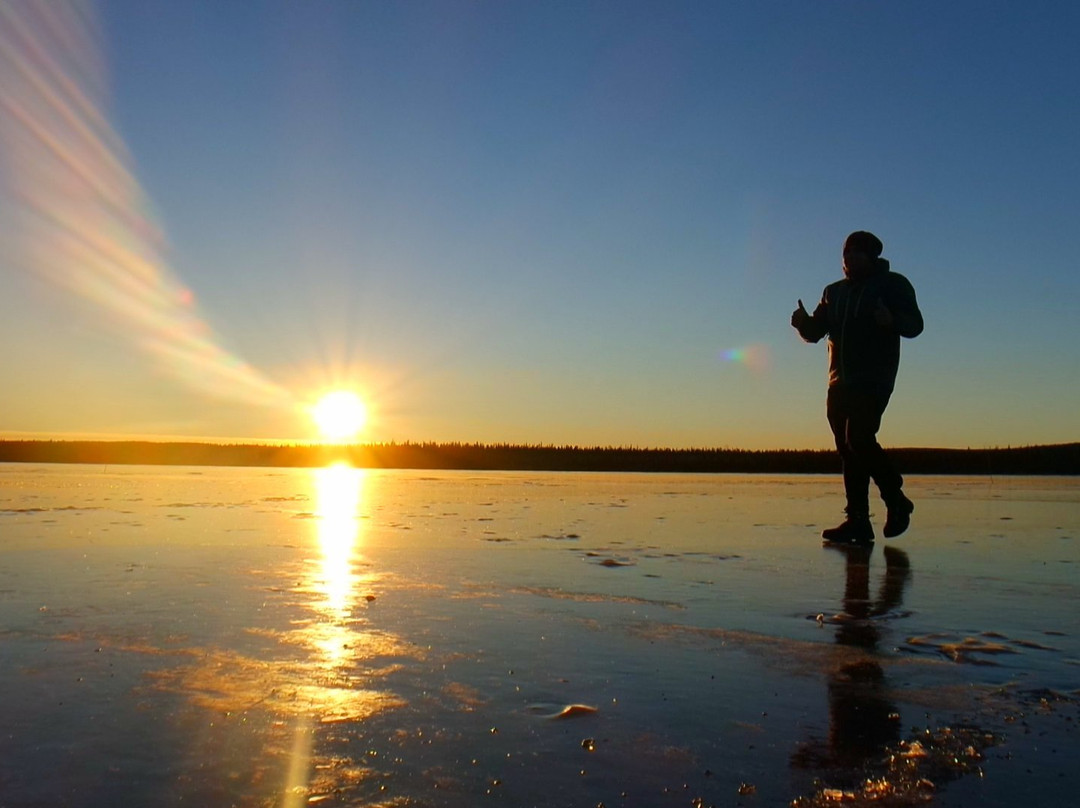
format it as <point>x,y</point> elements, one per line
<point>339,497</point>
<point>339,494</point>
<point>326,668</point>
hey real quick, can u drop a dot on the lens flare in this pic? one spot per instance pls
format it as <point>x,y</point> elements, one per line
<point>755,357</point>
<point>80,218</point>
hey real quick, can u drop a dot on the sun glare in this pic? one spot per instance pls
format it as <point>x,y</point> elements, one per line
<point>339,415</point>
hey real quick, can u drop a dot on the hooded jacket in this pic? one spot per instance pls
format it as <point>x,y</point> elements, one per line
<point>864,355</point>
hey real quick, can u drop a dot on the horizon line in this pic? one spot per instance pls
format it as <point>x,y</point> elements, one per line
<point>316,444</point>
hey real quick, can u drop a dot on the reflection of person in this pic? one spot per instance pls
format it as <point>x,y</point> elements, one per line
<point>864,316</point>
<point>862,719</point>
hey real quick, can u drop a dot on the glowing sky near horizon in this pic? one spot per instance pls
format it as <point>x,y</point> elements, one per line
<point>553,223</point>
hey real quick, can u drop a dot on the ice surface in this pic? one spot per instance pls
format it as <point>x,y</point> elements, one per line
<point>320,637</point>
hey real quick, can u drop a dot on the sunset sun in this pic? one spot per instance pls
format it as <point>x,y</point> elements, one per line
<point>339,416</point>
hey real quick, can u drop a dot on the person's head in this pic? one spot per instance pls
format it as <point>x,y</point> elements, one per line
<point>861,253</point>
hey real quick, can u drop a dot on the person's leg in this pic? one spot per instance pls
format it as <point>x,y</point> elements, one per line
<point>844,420</point>
<point>864,421</point>
<point>856,529</point>
<point>864,411</point>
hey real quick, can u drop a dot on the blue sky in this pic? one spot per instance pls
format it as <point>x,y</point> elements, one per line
<point>548,222</point>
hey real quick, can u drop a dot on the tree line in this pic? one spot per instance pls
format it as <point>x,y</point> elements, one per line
<point>1057,459</point>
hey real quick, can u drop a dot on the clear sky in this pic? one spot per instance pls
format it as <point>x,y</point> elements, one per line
<point>544,222</point>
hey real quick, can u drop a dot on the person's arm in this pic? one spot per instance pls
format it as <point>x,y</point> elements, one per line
<point>903,308</point>
<point>811,327</point>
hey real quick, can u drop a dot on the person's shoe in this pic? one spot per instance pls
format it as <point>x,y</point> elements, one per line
<point>853,530</point>
<point>899,515</point>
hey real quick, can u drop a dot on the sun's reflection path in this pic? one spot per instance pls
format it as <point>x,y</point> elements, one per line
<point>339,493</point>
<point>339,499</point>
<point>314,665</point>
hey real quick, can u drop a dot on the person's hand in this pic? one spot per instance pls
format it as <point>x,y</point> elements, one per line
<point>799,316</point>
<point>883,316</point>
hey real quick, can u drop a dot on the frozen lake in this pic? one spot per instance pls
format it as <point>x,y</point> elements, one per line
<point>208,636</point>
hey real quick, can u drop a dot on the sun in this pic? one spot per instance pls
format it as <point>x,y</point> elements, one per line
<point>339,415</point>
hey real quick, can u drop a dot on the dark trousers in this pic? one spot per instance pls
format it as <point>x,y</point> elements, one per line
<point>855,417</point>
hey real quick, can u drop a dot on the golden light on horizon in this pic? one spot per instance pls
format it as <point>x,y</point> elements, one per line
<point>339,415</point>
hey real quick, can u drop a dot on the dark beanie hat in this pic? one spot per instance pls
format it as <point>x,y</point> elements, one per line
<point>865,242</point>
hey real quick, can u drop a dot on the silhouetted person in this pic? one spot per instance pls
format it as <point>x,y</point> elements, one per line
<point>864,316</point>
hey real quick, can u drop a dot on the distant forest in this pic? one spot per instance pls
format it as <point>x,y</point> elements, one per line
<point>1060,459</point>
